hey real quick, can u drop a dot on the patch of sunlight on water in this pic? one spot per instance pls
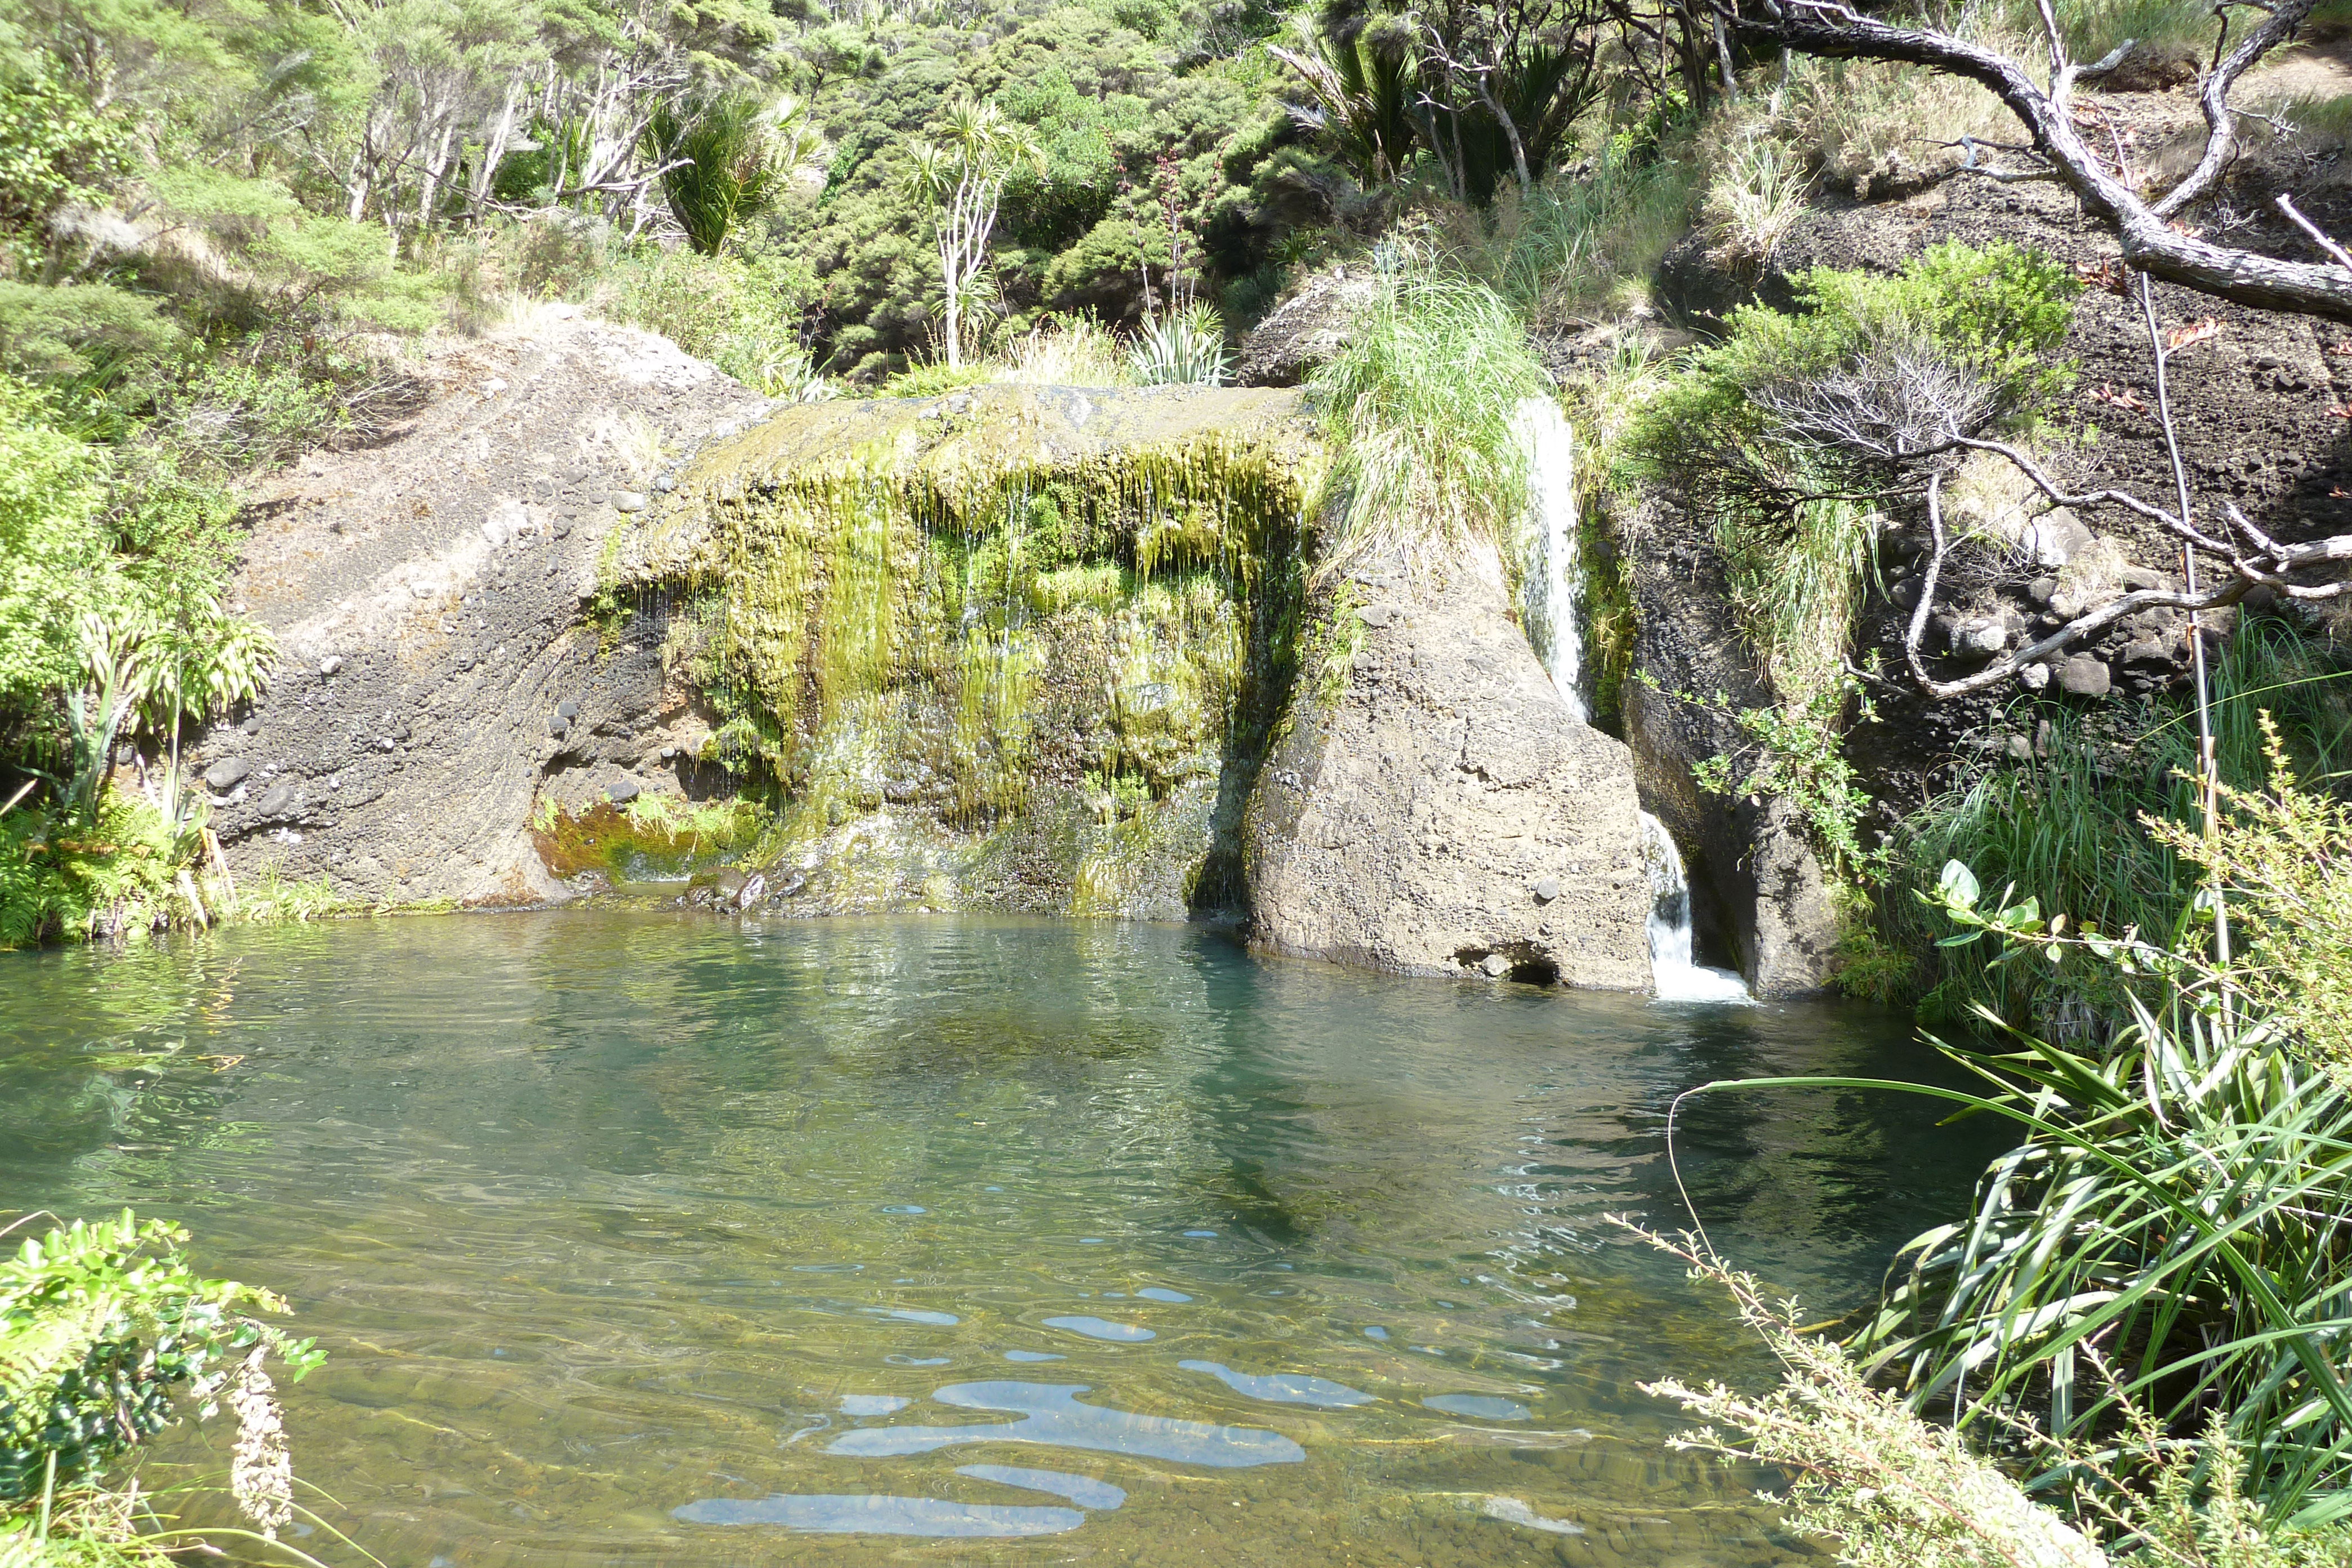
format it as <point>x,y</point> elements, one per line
<point>641,1239</point>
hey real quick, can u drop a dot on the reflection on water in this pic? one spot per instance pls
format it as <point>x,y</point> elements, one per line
<point>640,1239</point>
<point>1282,1388</point>
<point>1084,1490</point>
<point>1480,1407</point>
<point>869,1515</point>
<point>1051,1416</point>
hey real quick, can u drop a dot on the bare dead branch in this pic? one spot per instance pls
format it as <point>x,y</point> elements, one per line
<point>2287,206</point>
<point>1835,30</point>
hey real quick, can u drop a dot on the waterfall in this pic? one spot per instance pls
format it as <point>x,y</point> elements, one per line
<point>1551,591</point>
<point>1674,973</point>
<point>1551,603</point>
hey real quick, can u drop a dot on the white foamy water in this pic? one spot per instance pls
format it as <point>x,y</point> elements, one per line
<point>1551,594</point>
<point>1551,603</point>
<point>1676,977</point>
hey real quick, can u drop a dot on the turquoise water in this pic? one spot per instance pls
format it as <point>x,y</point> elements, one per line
<point>654,1239</point>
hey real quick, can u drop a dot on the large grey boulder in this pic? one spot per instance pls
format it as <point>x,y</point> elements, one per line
<point>426,593</point>
<point>1434,808</point>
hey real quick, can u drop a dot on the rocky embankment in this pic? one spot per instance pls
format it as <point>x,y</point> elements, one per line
<point>438,680</point>
<point>1021,649</point>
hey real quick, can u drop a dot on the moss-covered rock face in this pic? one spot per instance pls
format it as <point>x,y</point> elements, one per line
<point>1015,648</point>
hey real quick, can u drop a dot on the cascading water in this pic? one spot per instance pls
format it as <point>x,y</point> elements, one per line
<point>1551,603</point>
<point>1551,594</point>
<point>1676,975</point>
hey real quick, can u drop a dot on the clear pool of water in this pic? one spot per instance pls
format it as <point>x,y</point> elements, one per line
<point>643,1238</point>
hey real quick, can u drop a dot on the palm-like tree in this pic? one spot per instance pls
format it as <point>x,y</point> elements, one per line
<point>961,171</point>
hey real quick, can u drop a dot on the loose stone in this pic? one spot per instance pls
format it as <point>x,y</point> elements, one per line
<point>227,775</point>
<point>2082,676</point>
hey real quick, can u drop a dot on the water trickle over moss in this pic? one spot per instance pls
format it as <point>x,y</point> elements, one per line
<point>1046,633</point>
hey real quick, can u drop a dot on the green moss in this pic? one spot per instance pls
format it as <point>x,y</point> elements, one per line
<point>652,838</point>
<point>943,606</point>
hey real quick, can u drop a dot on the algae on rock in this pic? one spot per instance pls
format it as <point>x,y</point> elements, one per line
<point>1014,647</point>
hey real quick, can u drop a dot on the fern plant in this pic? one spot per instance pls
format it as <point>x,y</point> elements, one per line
<point>104,1328</point>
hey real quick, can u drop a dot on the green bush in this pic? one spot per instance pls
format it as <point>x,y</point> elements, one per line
<point>1959,331</point>
<point>741,310</point>
<point>1988,317</point>
<point>107,1334</point>
<point>55,147</point>
<point>104,1328</point>
<point>55,564</point>
<point>75,331</point>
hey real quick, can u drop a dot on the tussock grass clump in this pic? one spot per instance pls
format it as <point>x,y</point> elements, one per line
<point>1063,350</point>
<point>1420,408</point>
<point>1577,245</point>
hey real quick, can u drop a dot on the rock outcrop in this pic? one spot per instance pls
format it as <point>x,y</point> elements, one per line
<point>1434,809</point>
<point>426,594</point>
<point>1307,327</point>
<point>1014,647</point>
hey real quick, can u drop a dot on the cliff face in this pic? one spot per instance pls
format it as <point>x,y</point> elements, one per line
<point>437,679</point>
<point>1013,648</point>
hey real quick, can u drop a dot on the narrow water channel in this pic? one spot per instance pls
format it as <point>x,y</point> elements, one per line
<point>637,1238</point>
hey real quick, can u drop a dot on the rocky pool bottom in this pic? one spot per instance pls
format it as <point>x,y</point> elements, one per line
<point>639,1238</point>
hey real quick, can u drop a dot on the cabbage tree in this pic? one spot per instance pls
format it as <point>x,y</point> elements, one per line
<point>962,172</point>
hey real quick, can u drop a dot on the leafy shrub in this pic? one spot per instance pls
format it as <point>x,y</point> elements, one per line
<point>78,330</point>
<point>2282,861</point>
<point>104,1328</point>
<point>2181,1202</point>
<point>245,415</point>
<point>55,565</point>
<point>55,147</point>
<point>740,310</point>
<point>106,1335</point>
<point>1988,317</point>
